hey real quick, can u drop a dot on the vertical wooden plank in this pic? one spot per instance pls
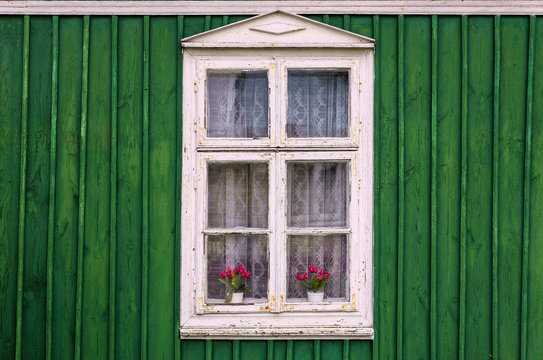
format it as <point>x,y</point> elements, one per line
<point>449,104</point>
<point>376,185</point>
<point>163,48</point>
<point>317,349</point>
<point>178,180</point>
<point>463,206</point>
<point>129,188</point>
<point>270,347</point>
<point>94,319</point>
<point>222,350</point>
<point>326,19</point>
<point>417,170</point>
<point>252,349</point>
<point>527,192</point>
<point>433,197</point>
<point>387,235</point>
<point>302,350</point>
<point>495,185</point>
<point>51,211</point>
<point>346,349</point>
<point>22,186</point>
<point>364,25</point>
<point>145,194</point>
<point>514,63</point>
<point>113,189</point>
<point>331,349</point>
<point>535,253</point>
<point>37,188</point>
<point>360,350</point>
<point>209,349</point>
<point>401,189</point>
<point>279,349</point>
<point>347,22</point>
<point>11,60</point>
<point>82,171</point>
<point>67,180</point>
<point>235,350</point>
<point>290,349</point>
<point>207,25</point>
<point>476,208</point>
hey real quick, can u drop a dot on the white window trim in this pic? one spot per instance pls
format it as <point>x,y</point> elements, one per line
<point>277,318</point>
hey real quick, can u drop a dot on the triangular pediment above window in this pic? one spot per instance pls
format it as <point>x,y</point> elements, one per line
<point>278,29</point>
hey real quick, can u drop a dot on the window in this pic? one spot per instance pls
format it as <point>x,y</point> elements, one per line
<point>277,176</point>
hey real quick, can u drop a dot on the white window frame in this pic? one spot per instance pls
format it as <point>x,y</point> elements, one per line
<point>277,317</point>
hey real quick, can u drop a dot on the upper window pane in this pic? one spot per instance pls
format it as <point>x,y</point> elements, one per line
<point>318,103</point>
<point>237,195</point>
<point>317,194</point>
<point>237,104</point>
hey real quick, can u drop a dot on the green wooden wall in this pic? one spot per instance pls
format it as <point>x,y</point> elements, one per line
<point>90,136</point>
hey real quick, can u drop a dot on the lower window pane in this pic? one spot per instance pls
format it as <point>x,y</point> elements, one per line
<point>250,251</point>
<point>325,252</point>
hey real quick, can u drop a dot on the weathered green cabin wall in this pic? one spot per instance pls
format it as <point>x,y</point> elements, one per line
<point>90,136</point>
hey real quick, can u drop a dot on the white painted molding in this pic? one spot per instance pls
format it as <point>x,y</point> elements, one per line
<point>386,7</point>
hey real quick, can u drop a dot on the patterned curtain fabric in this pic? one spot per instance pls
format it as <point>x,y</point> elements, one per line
<point>238,198</point>
<point>317,104</point>
<point>238,104</point>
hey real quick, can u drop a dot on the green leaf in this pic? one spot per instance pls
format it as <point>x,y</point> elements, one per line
<point>224,282</point>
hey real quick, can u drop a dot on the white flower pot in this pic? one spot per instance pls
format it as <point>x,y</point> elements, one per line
<point>315,296</point>
<point>237,298</point>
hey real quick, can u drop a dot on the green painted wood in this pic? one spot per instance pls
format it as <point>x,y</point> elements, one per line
<point>52,188</point>
<point>209,349</point>
<point>129,188</point>
<point>449,122</point>
<point>386,224</point>
<point>11,59</point>
<point>455,201</point>
<point>95,307</point>
<point>433,196</point>
<point>37,189</point>
<point>416,284</point>
<point>476,187</point>
<point>145,194</point>
<point>113,189</point>
<point>376,181</point>
<point>514,63</point>
<point>401,187</point>
<point>535,253</point>
<point>527,192</point>
<point>331,349</point>
<point>162,185</point>
<point>495,182</point>
<point>22,188</point>
<point>67,179</point>
<point>82,186</point>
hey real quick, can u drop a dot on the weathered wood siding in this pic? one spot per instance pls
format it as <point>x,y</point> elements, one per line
<point>90,136</point>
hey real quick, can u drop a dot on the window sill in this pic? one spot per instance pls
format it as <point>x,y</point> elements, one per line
<point>277,326</point>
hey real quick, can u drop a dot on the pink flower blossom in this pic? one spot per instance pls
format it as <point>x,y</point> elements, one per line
<point>236,271</point>
<point>306,276</point>
<point>327,275</point>
<point>228,269</point>
<point>319,277</point>
<point>241,268</point>
<point>223,274</point>
<point>230,276</point>
<point>299,277</point>
<point>321,272</point>
<point>248,273</point>
<point>310,268</point>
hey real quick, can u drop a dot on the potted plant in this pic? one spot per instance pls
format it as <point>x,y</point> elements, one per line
<point>235,279</point>
<point>314,283</point>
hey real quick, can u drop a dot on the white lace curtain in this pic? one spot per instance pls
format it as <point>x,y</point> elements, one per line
<point>238,104</point>
<point>317,103</point>
<point>238,198</point>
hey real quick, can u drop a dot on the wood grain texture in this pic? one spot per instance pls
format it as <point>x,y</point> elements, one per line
<point>431,132</point>
<point>11,59</point>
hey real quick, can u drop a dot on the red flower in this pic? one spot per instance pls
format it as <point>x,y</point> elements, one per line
<point>248,273</point>
<point>321,272</point>
<point>327,275</point>
<point>306,276</point>
<point>230,275</point>
<point>319,278</point>
<point>299,277</point>
<point>228,269</point>
<point>223,274</point>
<point>310,268</point>
<point>236,271</point>
<point>241,268</point>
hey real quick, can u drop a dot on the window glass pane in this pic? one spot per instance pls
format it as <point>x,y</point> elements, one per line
<point>318,103</point>
<point>237,195</point>
<point>250,251</point>
<point>325,252</point>
<point>317,194</point>
<point>237,104</point>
